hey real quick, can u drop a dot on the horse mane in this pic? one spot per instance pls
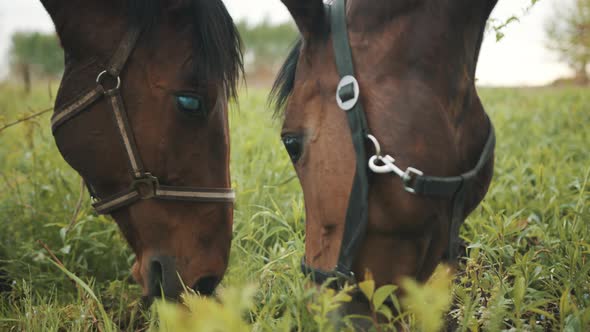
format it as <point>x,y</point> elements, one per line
<point>285,80</point>
<point>216,41</point>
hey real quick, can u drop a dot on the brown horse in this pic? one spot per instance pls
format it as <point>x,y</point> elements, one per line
<point>142,115</point>
<point>374,79</point>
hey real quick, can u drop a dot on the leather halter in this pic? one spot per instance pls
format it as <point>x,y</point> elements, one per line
<point>415,182</point>
<point>143,185</point>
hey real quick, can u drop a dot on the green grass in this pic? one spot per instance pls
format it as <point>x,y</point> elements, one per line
<point>527,266</point>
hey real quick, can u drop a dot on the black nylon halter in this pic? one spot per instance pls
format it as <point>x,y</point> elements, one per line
<point>451,188</point>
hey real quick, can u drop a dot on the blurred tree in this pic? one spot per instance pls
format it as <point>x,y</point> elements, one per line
<point>266,45</point>
<point>35,53</point>
<point>568,32</point>
<point>498,26</point>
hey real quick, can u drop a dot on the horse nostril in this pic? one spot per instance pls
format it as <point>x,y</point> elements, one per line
<point>206,285</point>
<point>163,279</point>
<point>155,279</point>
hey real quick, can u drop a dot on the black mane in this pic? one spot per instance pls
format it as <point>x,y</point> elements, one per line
<point>285,81</point>
<point>216,44</point>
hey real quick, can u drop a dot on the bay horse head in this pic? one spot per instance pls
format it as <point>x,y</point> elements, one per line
<point>142,115</point>
<point>386,131</point>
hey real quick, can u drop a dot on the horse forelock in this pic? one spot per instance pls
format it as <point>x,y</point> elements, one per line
<point>217,45</point>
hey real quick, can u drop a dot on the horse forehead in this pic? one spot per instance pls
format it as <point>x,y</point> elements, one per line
<point>171,52</point>
<point>425,39</point>
<point>384,7</point>
<point>374,15</point>
<point>411,23</point>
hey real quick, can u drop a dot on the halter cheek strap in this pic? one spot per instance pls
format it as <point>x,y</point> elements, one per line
<point>415,182</point>
<point>143,184</point>
<point>347,97</point>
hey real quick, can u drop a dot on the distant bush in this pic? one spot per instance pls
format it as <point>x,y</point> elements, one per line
<point>266,45</point>
<point>36,54</point>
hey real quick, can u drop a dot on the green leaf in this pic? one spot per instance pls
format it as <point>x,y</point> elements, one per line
<point>386,312</point>
<point>342,297</point>
<point>519,290</point>
<point>381,295</point>
<point>368,288</point>
<point>66,249</point>
<point>108,324</point>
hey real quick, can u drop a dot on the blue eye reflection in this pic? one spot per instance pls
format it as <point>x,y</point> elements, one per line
<point>190,104</point>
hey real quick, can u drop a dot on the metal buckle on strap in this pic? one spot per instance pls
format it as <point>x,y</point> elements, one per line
<point>146,186</point>
<point>344,277</point>
<point>337,278</point>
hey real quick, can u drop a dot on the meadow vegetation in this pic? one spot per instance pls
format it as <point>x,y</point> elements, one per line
<point>527,265</point>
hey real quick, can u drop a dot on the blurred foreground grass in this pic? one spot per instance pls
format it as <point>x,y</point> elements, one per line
<point>527,265</point>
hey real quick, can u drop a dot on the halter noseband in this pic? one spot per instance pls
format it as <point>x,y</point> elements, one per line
<point>415,182</point>
<point>144,185</point>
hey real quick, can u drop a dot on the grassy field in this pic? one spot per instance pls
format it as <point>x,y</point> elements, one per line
<point>528,258</point>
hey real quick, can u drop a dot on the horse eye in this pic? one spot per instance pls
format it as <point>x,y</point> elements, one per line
<point>192,105</point>
<point>293,144</point>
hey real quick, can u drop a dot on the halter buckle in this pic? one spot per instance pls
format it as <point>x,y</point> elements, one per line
<point>348,92</point>
<point>343,278</point>
<point>146,186</point>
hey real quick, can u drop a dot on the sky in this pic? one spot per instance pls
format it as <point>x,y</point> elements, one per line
<point>520,58</point>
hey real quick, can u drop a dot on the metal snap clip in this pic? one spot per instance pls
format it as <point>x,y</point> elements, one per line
<point>409,179</point>
<point>376,144</point>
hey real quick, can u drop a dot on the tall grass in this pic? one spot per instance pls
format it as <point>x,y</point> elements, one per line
<point>527,266</point>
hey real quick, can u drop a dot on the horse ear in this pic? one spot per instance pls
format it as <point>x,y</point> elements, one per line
<point>309,15</point>
<point>491,4</point>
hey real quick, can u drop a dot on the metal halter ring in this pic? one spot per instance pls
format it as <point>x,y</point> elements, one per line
<point>347,105</point>
<point>104,74</point>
